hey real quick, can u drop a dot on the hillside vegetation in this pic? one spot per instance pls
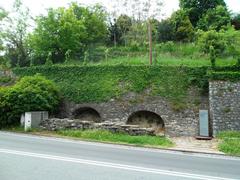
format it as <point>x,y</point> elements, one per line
<point>101,83</point>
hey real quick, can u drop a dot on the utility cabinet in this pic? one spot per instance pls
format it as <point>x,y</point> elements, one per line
<point>33,119</point>
<point>204,123</point>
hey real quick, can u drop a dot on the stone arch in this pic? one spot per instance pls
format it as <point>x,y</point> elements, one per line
<point>86,114</point>
<point>147,119</point>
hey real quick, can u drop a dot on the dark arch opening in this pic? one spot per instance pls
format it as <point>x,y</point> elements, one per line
<point>147,119</point>
<point>87,114</point>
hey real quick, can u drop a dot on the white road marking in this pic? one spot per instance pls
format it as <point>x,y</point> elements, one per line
<point>111,165</point>
<point>99,144</point>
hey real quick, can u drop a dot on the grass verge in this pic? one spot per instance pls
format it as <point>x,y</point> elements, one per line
<point>230,142</point>
<point>119,138</point>
<point>103,136</point>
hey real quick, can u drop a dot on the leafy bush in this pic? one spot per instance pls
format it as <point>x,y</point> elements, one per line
<point>212,38</point>
<point>224,43</point>
<point>34,93</point>
<point>232,38</point>
<point>167,47</point>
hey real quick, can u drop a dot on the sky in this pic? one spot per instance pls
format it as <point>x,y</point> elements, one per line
<point>38,7</point>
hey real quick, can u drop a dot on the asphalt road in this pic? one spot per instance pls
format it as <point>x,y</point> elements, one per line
<point>27,157</point>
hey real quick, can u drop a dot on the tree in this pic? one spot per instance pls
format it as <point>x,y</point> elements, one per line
<point>151,10</point>
<point>142,11</point>
<point>3,14</point>
<point>166,31</point>
<point>114,34</point>
<point>14,31</point>
<point>55,34</point>
<point>197,8</point>
<point>94,20</point>
<point>3,62</point>
<point>124,24</point>
<point>137,34</point>
<point>71,29</point>
<point>215,19</point>
<point>183,28</point>
<point>235,21</point>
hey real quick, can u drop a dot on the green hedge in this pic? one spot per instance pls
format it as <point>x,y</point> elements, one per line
<point>101,83</point>
<point>226,68</point>
<point>224,75</point>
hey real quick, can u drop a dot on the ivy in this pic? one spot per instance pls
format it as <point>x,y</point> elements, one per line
<point>223,75</point>
<point>101,83</point>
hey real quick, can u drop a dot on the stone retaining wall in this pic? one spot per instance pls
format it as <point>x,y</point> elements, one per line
<point>224,99</point>
<point>176,122</point>
<point>63,124</point>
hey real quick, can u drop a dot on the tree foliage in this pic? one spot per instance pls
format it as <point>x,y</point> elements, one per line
<point>235,21</point>
<point>64,30</point>
<point>212,40</point>
<point>215,19</point>
<point>184,30</point>
<point>3,14</point>
<point>166,31</point>
<point>13,32</point>
<point>124,24</point>
<point>197,8</point>
<point>227,42</point>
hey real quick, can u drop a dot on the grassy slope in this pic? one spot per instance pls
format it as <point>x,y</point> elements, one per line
<point>230,142</point>
<point>167,54</point>
<point>163,60</point>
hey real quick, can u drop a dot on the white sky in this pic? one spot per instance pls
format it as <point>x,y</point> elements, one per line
<point>39,6</point>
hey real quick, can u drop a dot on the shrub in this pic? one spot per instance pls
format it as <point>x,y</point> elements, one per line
<point>34,93</point>
<point>167,47</point>
<point>212,39</point>
<point>233,43</point>
<point>224,43</point>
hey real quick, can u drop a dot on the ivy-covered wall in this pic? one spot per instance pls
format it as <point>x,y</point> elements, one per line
<point>174,93</point>
<point>82,84</point>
